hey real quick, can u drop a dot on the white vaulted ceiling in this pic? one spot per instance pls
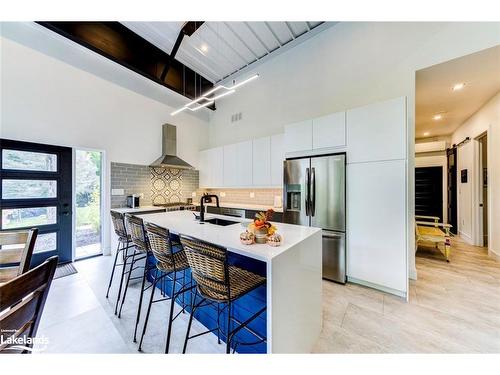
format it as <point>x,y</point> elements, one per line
<point>218,50</point>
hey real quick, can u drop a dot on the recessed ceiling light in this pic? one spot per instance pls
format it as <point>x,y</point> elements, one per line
<point>458,86</point>
<point>438,117</point>
<point>426,134</point>
<point>204,48</point>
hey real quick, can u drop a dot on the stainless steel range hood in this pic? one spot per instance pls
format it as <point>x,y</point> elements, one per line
<point>169,158</point>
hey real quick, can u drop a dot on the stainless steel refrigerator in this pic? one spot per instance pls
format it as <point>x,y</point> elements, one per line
<point>314,195</point>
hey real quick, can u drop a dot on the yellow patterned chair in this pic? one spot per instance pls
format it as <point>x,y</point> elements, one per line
<point>429,229</point>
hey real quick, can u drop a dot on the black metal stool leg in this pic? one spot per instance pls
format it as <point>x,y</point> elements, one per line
<point>124,267</point>
<point>228,335</point>
<point>193,308</point>
<point>146,269</point>
<point>127,284</point>
<point>172,304</point>
<point>113,270</point>
<point>148,312</point>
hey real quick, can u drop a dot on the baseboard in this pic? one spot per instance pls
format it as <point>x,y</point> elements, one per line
<point>493,254</point>
<point>412,274</point>
<point>385,289</point>
<point>466,238</point>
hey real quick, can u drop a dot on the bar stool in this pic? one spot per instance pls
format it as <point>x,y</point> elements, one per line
<point>138,236</point>
<point>170,262</point>
<point>219,283</point>
<point>124,244</point>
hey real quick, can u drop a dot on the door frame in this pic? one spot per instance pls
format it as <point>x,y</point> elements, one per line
<point>104,201</point>
<point>477,191</point>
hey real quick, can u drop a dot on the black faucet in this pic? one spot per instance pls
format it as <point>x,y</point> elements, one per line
<point>206,198</point>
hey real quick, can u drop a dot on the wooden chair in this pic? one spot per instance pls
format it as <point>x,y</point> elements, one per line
<point>22,300</point>
<point>16,249</point>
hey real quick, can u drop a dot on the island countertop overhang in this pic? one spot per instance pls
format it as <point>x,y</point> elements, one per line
<point>184,222</point>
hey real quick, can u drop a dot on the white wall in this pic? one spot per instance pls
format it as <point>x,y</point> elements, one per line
<point>49,101</point>
<point>436,161</point>
<point>346,66</point>
<point>485,119</point>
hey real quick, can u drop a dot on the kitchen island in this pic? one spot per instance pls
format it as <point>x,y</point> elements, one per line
<point>292,294</point>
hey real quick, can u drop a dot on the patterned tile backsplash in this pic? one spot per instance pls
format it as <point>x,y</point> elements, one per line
<point>172,185</point>
<point>157,185</point>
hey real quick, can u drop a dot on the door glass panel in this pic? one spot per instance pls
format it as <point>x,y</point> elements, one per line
<point>29,189</point>
<point>45,242</point>
<point>88,167</point>
<point>28,217</point>
<point>29,161</point>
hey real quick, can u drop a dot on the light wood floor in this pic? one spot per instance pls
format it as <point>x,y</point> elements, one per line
<point>454,308</point>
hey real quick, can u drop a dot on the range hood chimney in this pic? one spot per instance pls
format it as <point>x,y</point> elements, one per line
<point>168,158</point>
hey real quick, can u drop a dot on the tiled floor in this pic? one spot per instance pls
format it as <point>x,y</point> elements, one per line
<point>454,307</point>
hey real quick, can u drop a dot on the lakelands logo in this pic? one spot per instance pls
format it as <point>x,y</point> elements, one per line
<point>16,344</point>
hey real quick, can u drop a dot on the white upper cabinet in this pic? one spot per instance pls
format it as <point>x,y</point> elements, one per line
<point>277,157</point>
<point>377,131</point>
<point>261,165</point>
<point>238,164</point>
<point>204,168</point>
<point>298,136</point>
<point>245,160</point>
<point>216,166</point>
<point>329,131</point>
<point>230,165</point>
<point>211,167</point>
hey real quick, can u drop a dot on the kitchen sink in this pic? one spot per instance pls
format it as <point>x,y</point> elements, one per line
<point>222,222</point>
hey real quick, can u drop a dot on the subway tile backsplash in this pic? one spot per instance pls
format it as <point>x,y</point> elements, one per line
<point>157,185</point>
<point>263,197</point>
<point>134,179</point>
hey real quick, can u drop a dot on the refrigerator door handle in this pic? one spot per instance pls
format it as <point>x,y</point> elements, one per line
<point>313,192</point>
<point>308,191</point>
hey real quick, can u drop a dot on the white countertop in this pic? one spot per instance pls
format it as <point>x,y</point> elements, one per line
<point>183,222</point>
<point>245,206</point>
<point>128,210</point>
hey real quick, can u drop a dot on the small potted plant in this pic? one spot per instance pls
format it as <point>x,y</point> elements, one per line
<point>261,226</point>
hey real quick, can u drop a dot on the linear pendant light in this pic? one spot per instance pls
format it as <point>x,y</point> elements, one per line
<point>210,100</point>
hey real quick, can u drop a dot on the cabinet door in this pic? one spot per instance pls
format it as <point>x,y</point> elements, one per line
<point>277,157</point>
<point>298,136</point>
<point>377,131</point>
<point>244,164</point>
<point>261,161</point>
<point>329,131</point>
<point>217,167</point>
<point>204,168</point>
<point>376,223</point>
<point>230,165</point>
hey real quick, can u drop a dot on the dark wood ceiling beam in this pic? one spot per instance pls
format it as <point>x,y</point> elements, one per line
<point>121,45</point>
<point>187,29</point>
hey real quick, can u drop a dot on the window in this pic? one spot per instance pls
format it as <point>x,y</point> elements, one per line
<point>29,161</point>
<point>45,242</point>
<point>28,189</point>
<point>28,217</point>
